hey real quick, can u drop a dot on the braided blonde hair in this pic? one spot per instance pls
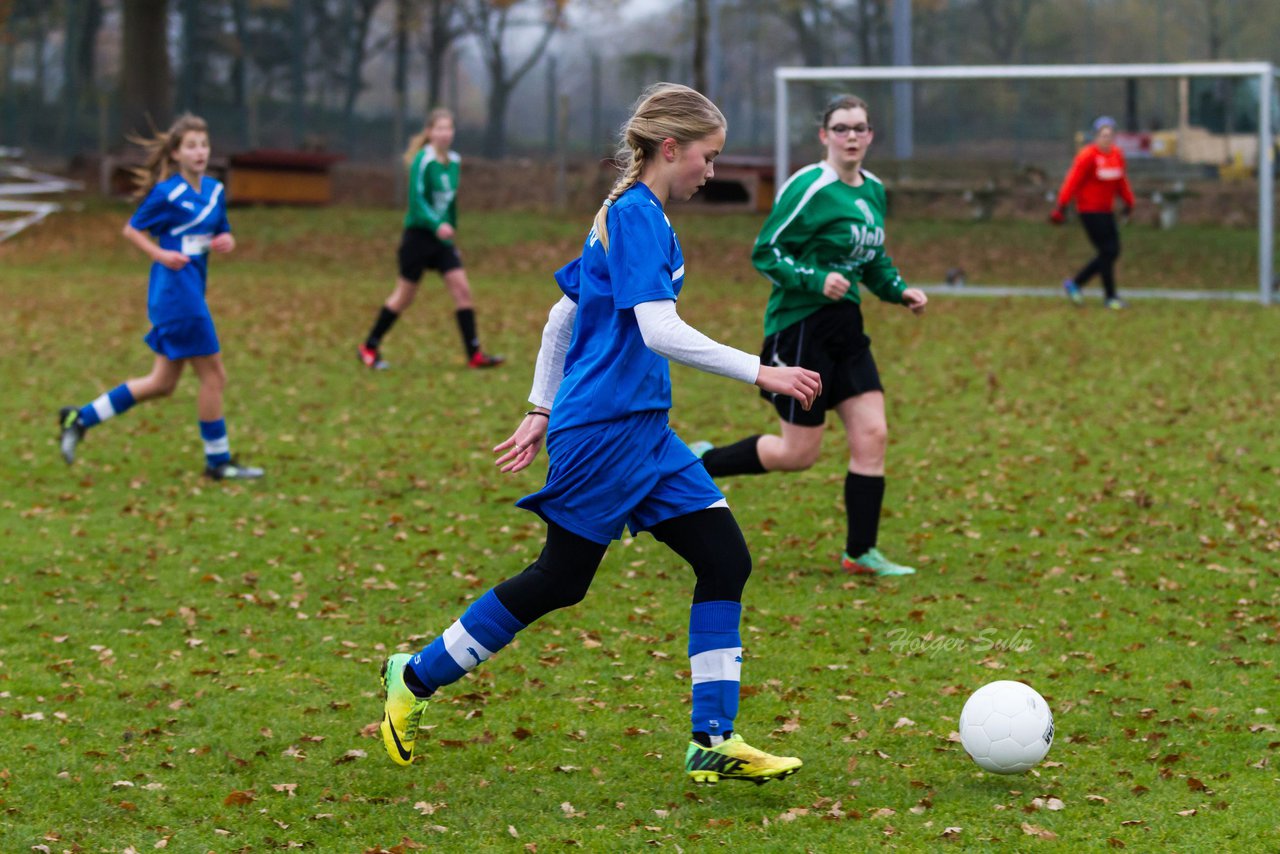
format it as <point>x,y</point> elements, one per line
<point>665,110</point>
<point>159,148</point>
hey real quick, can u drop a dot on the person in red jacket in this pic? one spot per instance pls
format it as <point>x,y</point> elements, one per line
<point>1096,175</point>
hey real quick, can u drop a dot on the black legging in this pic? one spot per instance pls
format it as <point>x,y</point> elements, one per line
<point>710,540</point>
<point>1101,228</point>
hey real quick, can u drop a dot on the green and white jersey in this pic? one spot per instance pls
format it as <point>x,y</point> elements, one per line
<point>820,224</point>
<point>433,190</point>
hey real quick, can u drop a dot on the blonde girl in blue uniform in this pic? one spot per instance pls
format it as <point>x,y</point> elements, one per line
<point>601,394</point>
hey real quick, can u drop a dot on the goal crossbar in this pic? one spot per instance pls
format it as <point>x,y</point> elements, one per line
<point>1265,73</point>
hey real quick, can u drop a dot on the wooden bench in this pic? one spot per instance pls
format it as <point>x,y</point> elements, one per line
<point>269,176</point>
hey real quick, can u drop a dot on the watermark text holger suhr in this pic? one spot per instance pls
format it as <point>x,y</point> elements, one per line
<point>904,642</point>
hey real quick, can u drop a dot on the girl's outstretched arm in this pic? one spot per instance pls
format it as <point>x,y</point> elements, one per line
<point>666,334</point>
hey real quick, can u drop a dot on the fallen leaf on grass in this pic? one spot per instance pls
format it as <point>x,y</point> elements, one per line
<point>238,798</point>
<point>1038,832</point>
<point>350,756</point>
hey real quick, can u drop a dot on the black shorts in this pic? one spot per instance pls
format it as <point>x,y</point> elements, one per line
<point>830,341</point>
<point>420,250</point>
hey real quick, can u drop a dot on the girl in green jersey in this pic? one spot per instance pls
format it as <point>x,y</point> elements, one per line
<point>429,229</point>
<point>825,234</point>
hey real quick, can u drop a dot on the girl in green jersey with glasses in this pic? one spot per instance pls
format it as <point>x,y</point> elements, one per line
<point>826,233</point>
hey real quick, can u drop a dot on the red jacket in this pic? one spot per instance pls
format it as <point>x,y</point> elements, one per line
<point>1094,179</point>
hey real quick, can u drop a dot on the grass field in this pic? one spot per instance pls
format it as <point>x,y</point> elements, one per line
<point>1091,498</point>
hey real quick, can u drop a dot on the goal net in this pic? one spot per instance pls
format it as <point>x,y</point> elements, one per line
<point>995,141</point>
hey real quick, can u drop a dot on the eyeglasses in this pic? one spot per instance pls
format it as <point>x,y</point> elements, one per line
<point>845,130</point>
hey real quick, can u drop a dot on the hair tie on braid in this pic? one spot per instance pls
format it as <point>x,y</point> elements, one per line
<point>608,202</point>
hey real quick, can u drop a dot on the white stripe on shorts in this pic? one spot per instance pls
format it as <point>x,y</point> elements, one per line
<point>465,650</point>
<point>717,665</point>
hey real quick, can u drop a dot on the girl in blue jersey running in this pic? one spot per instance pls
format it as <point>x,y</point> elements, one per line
<point>185,213</point>
<point>601,392</point>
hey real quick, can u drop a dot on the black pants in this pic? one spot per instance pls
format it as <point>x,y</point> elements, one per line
<point>1105,237</point>
<point>710,540</point>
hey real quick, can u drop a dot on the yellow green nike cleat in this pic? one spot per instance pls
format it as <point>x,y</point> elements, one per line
<point>402,711</point>
<point>734,759</point>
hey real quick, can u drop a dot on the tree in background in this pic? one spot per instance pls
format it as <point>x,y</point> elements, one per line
<point>441,24</point>
<point>146,90</point>
<point>491,22</point>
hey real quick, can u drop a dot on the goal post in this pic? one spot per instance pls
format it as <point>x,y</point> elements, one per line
<point>1264,73</point>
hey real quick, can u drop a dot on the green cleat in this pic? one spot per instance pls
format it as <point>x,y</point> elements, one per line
<point>873,563</point>
<point>401,712</point>
<point>71,432</point>
<point>734,759</point>
<point>700,448</point>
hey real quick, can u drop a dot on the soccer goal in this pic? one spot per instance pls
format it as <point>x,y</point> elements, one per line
<point>1218,117</point>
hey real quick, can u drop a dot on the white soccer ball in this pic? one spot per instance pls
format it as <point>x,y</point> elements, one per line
<point>1006,727</point>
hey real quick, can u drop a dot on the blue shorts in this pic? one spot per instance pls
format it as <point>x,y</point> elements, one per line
<point>633,472</point>
<point>183,339</point>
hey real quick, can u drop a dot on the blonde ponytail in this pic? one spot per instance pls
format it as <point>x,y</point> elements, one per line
<point>159,147</point>
<point>664,110</point>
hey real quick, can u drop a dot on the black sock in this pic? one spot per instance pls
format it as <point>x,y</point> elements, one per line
<point>863,496</point>
<point>739,458</point>
<point>705,740</point>
<point>414,684</point>
<point>467,326</point>
<point>381,326</point>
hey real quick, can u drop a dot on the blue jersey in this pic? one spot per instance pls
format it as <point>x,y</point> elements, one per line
<point>609,373</point>
<point>183,219</point>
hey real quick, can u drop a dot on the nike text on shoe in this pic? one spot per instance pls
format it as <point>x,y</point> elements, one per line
<point>402,711</point>
<point>873,563</point>
<point>734,759</point>
<point>71,432</point>
<point>233,471</point>
<point>481,359</point>
<point>370,358</point>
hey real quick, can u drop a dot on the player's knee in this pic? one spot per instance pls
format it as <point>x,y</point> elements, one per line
<point>737,569</point>
<point>162,385</point>
<point>565,593</point>
<point>799,457</point>
<point>873,437</point>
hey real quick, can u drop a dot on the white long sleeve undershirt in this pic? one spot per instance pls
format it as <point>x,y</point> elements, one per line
<point>663,331</point>
<point>548,371</point>
<point>667,335</point>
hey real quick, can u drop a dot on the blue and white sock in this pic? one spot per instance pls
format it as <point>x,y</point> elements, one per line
<point>108,405</point>
<point>486,627</point>
<point>217,447</point>
<point>715,659</point>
